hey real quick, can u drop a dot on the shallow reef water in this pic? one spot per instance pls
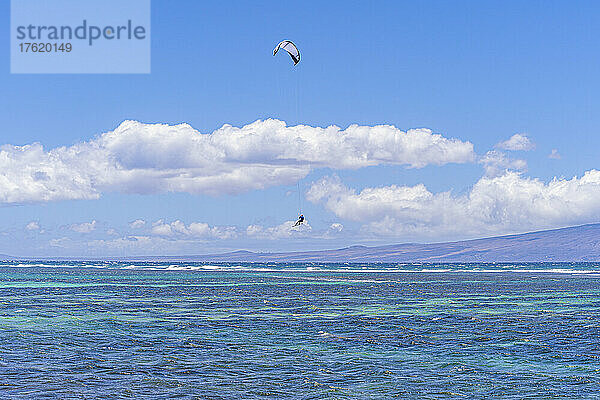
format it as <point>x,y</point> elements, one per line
<point>299,331</point>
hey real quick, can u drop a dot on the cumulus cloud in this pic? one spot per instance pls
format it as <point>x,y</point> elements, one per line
<point>134,243</point>
<point>137,224</point>
<point>517,142</point>
<point>85,227</point>
<point>336,227</point>
<point>282,231</point>
<point>28,173</point>
<point>195,230</point>
<point>496,163</point>
<point>494,205</point>
<point>194,237</point>
<point>155,158</point>
<point>554,154</point>
<point>61,242</point>
<point>32,226</point>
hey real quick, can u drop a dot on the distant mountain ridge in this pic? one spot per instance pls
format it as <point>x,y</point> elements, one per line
<point>572,244</point>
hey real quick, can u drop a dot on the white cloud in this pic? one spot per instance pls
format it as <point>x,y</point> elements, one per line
<point>161,229</point>
<point>282,231</point>
<point>495,205</point>
<point>134,244</point>
<point>33,226</point>
<point>554,154</point>
<point>137,224</point>
<point>194,230</point>
<point>496,163</point>
<point>85,227</point>
<point>61,242</point>
<point>168,237</point>
<point>154,158</point>
<point>517,142</point>
<point>28,173</point>
<point>336,227</point>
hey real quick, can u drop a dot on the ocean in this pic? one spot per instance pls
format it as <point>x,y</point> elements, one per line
<point>114,330</point>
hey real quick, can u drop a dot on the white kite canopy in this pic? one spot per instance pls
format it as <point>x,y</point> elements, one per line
<point>291,49</point>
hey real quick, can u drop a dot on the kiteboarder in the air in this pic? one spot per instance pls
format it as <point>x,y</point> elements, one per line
<point>294,53</point>
<point>300,220</point>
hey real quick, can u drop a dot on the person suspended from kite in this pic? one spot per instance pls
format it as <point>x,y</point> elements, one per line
<point>291,49</point>
<point>300,220</point>
<point>294,53</point>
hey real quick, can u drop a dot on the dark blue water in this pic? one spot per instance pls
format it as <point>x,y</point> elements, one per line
<point>192,331</point>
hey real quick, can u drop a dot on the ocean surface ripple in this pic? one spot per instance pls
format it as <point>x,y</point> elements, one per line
<point>98,330</point>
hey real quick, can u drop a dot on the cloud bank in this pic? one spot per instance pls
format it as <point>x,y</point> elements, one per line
<point>495,205</point>
<point>85,227</point>
<point>157,158</point>
<point>282,231</point>
<point>198,230</point>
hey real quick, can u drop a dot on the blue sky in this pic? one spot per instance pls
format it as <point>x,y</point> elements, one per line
<point>479,72</point>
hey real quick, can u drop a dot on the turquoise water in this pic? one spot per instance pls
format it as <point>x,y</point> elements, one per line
<point>299,331</point>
